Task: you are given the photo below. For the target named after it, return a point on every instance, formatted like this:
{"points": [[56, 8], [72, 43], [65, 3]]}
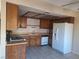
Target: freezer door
{"points": [[58, 36], [55, 31]]}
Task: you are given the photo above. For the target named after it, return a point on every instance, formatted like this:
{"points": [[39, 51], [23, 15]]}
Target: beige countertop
{"points": [[16, 43], [29, 34], [25, 36]]}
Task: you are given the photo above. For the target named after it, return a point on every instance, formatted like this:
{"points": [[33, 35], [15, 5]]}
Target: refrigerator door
{"points": [[58, 36], [68, 38], [55, 31]]}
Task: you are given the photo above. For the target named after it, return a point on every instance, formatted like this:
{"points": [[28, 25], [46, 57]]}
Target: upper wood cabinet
{"points": [[12, 16], [22, 22], [44, 24], [64, 20]]}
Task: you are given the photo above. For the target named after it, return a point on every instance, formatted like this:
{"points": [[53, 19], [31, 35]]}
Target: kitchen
{"points": [[28, 27]]}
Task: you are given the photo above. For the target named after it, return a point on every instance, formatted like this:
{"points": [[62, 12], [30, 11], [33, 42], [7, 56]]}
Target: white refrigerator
{"points": [[62, 37]]}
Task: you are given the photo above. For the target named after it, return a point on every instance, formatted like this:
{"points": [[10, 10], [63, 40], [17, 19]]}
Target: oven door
{"points": [[44, 40]]}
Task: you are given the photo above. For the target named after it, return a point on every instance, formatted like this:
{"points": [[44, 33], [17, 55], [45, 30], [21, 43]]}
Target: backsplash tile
{"points": [[31, 29]]}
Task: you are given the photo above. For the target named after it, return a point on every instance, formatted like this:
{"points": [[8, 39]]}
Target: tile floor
{"points": [[46, 52]]}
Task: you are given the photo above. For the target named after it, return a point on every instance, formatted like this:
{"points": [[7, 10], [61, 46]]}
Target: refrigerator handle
{"points": [[55, 36]]}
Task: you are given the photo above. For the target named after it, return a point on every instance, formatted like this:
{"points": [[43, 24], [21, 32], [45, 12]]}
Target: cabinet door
{"points": [[11, 52], [16, 52], [21, 51], [12, 16], [35, 41], [32, 42], [44, 24]]}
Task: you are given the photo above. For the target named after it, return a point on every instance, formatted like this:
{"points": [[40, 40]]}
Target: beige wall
{"points": [[76, 35], [0, 6], [3, 29], [0, 19]]}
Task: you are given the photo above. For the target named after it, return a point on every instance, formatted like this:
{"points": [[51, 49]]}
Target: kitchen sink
{"points": [[18, 38]]}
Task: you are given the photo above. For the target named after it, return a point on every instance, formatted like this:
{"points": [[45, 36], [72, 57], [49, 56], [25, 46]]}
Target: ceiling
{"points": [[70, 4], [38, 14], [34, 13]]}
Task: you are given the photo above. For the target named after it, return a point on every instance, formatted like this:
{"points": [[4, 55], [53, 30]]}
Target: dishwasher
{"points": [[44, 40]]}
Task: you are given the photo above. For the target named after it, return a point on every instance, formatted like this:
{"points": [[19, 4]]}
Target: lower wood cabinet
{"points": [[34, 41], [16, 52]]}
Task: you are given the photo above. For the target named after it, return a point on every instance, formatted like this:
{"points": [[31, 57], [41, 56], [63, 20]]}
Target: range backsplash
{"points": [[31, 29]]}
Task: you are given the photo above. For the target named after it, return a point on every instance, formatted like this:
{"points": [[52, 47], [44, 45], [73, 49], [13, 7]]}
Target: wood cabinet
{"points": [[64, 20], [12, 16], [50, 33], [28, 44], [34, 41], [16, 52], [44, 24], [22, 22]]}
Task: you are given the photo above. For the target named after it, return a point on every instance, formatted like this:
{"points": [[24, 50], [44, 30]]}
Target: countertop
{"points": [[24, 36], [16, 43], [32, 34]]}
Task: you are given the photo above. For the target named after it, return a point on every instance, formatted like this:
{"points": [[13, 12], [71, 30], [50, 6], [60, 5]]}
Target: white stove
{"points": [[44, 40]]}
